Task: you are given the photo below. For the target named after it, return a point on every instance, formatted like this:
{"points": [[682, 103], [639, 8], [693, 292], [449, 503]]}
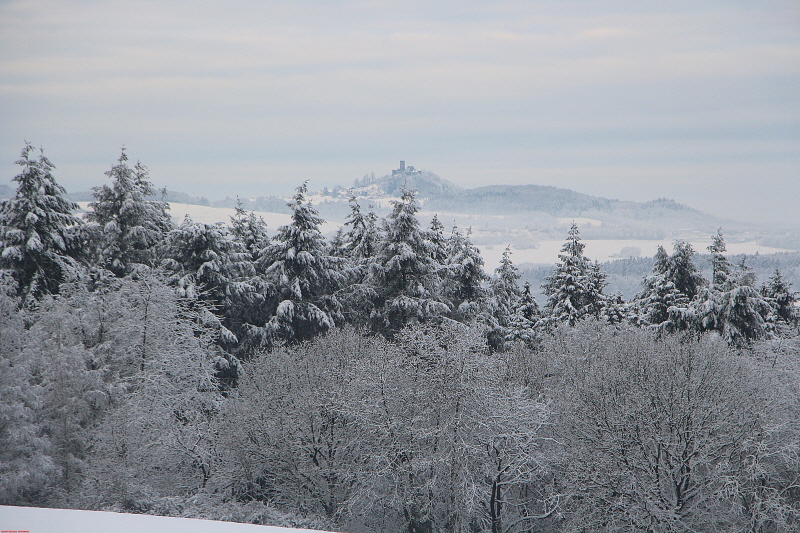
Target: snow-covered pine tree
{"points": [[361, 243], [38, 241], [744, 274], [671, 299], [778, 292], [305, 276], [210, 266], [596, 301], [336, 246], [405, 278], [661, 261], [438, 243], [130, 225], [720, 266], [743, 315], [355, 220], [250, 231], [739, 313], [465, 277], [524, 317], [502, 296], [440, 250], [616, 310], [651, 305], [505, 287], [362, 240], [682, 271], [251, 297], [567, 288]]}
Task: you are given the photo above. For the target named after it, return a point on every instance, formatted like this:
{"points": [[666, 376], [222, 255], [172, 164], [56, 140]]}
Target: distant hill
{"points": [[537, 202], [507, 199], [427, 184], [5, 191], [544, 208], [522, 215]]}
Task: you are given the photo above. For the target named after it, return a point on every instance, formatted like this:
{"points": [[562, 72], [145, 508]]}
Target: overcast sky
{"points": [[693, 100]]}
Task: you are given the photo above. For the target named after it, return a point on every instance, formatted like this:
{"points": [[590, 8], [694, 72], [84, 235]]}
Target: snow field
{"points": [[38, 520], [546, 252]]}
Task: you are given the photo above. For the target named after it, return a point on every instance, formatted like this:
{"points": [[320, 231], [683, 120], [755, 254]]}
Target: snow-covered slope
{"points": [[37, 520], [212, 215]]}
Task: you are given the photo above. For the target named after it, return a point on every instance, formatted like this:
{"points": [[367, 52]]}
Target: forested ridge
{"points": [[381, 380]]}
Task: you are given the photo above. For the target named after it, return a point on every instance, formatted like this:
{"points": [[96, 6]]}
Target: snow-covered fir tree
{"points": [[438, 242], [405, 278], [463, 285], [502, 295], [361, 243], [678, 298], [251, 297], [669, 299], [505, 287], [250, 231], [744, 275], [595, 300], [720, 266], [778, 292], [209, 266], [615, 309], [362, 239], [305, 276], [734, 308], [650, 307], [336, 246], [39, 245], [682, 271], [524, 318], [567, 288], [739, 315], [130, 225]]}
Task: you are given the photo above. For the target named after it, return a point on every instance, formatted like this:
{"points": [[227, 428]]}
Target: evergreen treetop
{"points": [[406, 278], [464, 283], [505, 286], [567, 288], [304, 274], [362, 240], [779, 292], [683, 272], [524, 318], [131, 224], [250, 231], [721, 267], [37, 230]]}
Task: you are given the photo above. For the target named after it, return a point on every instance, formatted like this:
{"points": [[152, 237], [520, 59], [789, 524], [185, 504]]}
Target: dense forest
{"points": [[381, 380]]}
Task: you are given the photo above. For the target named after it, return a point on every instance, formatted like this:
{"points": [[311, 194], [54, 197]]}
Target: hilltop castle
{"points": [[405, 170]]}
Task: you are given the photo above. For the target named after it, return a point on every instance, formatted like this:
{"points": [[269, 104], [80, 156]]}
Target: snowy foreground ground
{"points": [[37, 520]]}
